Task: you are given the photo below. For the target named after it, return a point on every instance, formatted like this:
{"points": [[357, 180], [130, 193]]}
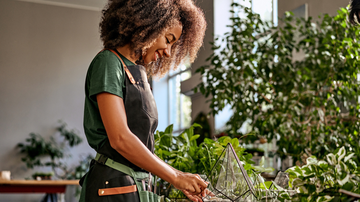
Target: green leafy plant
{"points": [[42, 175], [183, 153], [307, 104], [323, 180], [42, 153]]}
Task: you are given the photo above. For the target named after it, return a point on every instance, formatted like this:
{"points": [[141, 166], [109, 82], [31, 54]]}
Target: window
{"points": [[173, 107], [267, 9], [179, 104]]}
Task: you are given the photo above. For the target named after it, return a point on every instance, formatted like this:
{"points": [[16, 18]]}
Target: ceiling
{"points": [[81, 4]]}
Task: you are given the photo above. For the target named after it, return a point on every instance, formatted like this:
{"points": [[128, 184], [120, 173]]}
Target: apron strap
{"points": [[120, 167], [131, 78], [127, 71]]}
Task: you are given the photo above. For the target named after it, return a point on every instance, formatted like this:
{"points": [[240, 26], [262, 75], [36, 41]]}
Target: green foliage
{"points": [[42, 175], [322, 180], [41, 153], [308, 104], [183, 153], [35, 148], [204, 130]]}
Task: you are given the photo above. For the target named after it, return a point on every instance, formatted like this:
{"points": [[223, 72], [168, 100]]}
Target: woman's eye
{"points": [[167, 40]]}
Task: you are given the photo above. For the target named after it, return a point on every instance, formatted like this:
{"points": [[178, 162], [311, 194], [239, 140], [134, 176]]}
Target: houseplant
{"points": [[307, 104], [39, 152], [183, 153], [336, 178]]}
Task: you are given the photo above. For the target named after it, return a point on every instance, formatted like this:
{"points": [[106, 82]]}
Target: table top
{"points": [[39, 182]]}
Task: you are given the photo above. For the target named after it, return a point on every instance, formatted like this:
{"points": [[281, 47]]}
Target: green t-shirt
{"points": [[105, 74]]}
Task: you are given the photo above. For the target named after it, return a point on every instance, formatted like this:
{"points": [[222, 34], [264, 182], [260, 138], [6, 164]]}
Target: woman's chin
{"points": [[149, 62]]}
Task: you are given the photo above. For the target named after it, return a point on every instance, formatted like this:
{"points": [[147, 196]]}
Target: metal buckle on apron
{"points": [[102, 159]]}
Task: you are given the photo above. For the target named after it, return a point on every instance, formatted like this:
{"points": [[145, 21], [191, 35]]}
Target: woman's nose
{"points": [[167, 51]]}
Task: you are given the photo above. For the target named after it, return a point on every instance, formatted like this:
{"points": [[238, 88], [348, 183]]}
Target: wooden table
{"points": [[35, 186]]}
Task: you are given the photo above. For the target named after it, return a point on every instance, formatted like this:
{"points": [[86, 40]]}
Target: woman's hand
{"points": [[198, 198], [195, 198], [191, 183]]}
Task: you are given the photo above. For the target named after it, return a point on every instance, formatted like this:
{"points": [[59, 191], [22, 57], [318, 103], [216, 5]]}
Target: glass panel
{"points": [[186, 111], [263, 8], [185, 75], [222, 117], [179, 104], [173, 72], [239, 12], [275, 12], [174, 100]]}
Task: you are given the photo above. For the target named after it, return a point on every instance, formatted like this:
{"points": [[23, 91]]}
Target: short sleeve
{"points": [[107, 75]]}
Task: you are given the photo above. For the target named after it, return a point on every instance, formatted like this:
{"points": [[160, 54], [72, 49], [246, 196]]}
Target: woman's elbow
{"points": [[118, 143]]}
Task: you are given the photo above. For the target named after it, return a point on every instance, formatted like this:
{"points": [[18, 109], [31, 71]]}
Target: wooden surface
{"points": [[39, 182], [35, 186]]}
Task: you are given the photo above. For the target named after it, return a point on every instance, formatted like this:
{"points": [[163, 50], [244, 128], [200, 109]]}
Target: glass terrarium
{"points": [[229, 181]]}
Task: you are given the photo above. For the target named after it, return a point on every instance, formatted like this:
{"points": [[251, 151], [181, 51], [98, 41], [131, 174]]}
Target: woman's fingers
{"points": [[197, 189], [200, 185], [191, 183], [195, 198], [201, 181], [208, 192]]}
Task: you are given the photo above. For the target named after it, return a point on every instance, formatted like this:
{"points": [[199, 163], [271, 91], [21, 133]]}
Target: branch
{"points": [[267, 99], [354, 195]]}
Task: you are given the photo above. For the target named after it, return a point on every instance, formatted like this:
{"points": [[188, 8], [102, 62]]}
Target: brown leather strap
{"points": [[117, 190], [131, 78]]}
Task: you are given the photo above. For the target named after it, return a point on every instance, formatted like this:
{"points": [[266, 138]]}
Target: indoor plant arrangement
{"points": [[336, 178], [183, 153], [306, 103]]}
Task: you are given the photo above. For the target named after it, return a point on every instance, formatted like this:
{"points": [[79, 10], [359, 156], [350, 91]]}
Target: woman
{"points": [[141, 38], [354, 12]]}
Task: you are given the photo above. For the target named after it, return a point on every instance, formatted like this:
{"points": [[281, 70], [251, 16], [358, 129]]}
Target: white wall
{"points": [[44, 54]]}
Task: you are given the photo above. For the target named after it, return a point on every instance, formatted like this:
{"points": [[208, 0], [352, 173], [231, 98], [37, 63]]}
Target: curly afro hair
{"points": [[140, 22], [354, 9]]}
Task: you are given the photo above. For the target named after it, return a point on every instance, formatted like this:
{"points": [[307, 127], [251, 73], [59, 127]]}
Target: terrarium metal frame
{"points": [[249, 183]]}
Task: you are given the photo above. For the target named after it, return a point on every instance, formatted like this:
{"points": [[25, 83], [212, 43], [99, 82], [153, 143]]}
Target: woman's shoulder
{"points": [[106, 57]]}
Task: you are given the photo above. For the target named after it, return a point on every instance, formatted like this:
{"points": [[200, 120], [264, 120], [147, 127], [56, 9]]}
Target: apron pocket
{"points": [[121, 188], [146, 196]]}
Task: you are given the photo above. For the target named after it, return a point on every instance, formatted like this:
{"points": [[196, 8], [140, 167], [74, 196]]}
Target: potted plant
{"points": [[42, 175], [39, 152]]}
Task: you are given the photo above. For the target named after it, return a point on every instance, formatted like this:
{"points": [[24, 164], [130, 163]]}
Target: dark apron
{"points": [[142, 120]]}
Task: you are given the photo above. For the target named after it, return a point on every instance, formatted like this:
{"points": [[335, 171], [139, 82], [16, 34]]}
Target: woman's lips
{"points": [[156, 55]]}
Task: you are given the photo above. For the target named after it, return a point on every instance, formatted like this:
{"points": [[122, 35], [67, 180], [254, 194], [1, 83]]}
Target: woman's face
{"points": [[162, 46]]}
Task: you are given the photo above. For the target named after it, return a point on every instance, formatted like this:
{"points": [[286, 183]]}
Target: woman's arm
{"points": [[113, 115]]}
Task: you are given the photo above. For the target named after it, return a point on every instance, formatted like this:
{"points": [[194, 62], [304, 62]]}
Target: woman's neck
{"points": [[127, 52]]}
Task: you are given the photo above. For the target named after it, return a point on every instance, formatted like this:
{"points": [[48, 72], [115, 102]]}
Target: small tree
{"points": [[309, 105]]}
